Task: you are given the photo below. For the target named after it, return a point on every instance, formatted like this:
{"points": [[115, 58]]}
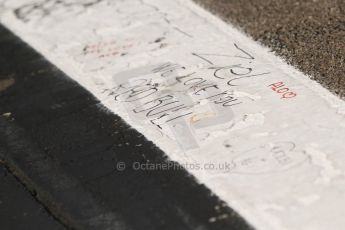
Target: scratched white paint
{"points": [[281, 134]]}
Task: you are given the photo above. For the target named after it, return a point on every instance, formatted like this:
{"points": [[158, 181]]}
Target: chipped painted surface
{"points": [[203, 92]]}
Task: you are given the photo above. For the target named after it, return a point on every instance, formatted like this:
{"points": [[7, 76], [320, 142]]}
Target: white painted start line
{"points": [[207, 95]]}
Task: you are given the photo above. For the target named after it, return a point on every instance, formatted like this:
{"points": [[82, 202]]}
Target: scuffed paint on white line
{"points": [[204, 93]]}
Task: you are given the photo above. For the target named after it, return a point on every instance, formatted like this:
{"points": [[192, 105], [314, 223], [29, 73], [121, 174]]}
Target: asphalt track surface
{"points": [[58, 141], [20, 208], [48, 141], [309, 34]]}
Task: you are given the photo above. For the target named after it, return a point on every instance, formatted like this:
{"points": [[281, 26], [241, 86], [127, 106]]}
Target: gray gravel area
{"points": [[310, 34]]}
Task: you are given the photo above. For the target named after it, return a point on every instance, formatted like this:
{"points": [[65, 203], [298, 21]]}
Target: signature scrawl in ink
{"points": [[40, 9]]}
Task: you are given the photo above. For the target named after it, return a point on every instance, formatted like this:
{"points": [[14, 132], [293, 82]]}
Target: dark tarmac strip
{"points": [[63, 145], [309, 34], [21, 210]]}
